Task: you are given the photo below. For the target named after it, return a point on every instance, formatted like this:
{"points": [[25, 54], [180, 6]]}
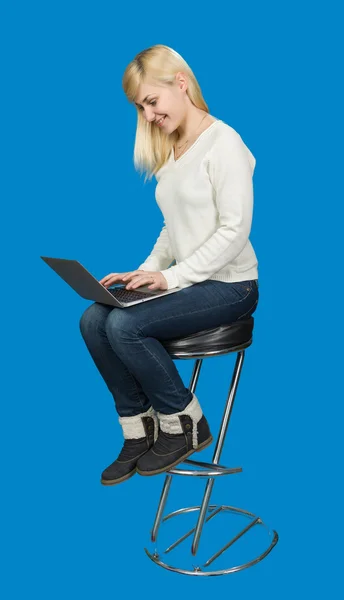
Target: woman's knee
{"points": [[120, 322], [94, 316]]}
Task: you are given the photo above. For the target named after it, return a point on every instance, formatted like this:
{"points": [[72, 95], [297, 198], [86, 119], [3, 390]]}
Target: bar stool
{"points": [[235, 337]]}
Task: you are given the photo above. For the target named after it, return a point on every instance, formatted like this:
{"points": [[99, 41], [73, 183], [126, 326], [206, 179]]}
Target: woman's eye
{"points": [[153, 103]]}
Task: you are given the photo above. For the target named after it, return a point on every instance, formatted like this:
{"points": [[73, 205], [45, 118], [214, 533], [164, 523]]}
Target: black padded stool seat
{"points": [[226, 338]]}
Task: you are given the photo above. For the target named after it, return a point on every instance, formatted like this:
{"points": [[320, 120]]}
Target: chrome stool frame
{"points": [[212, 342]]}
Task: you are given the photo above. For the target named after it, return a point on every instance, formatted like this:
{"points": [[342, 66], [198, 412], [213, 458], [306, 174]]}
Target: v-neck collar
{"points": [[176, 162]]}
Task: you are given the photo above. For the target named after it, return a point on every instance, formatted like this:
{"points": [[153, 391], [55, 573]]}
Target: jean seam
{"points": [[137, 392], [252, 307]]}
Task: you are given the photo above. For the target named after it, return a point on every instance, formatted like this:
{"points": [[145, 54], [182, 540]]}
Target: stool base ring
{"points": [[200, 570]]}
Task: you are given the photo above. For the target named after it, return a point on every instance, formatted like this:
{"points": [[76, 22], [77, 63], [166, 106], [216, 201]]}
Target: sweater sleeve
{"points": [[230, 170], [161, 256]]}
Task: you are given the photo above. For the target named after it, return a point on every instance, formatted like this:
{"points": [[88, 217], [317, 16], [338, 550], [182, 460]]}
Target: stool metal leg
{"points": [[168, 479], [209, 470], [218, 448]]}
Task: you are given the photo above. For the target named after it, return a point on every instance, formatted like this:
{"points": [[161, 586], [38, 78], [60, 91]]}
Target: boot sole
{"points": [[204, 444], [119, 480]]}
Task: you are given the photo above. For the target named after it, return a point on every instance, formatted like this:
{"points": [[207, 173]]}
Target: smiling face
{"points": [[156, 101]]}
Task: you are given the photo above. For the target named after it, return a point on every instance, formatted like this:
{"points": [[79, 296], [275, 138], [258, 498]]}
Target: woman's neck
{"points": [[190, 125]]}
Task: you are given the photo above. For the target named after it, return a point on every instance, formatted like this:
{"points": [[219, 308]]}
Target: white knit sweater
{"points": [[206, 198]]}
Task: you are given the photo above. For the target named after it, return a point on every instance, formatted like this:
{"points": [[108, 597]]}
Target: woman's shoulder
{"points": [[227, 142], [225, 132]]}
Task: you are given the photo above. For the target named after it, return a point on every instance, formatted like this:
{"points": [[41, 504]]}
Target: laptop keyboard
{"points": [[124, 295]]}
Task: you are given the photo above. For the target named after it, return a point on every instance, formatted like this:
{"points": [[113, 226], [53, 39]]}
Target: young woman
{"points": [[205, 192]]}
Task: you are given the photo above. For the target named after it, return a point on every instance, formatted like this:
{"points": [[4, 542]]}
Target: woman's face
{"points": [[156, 102]]}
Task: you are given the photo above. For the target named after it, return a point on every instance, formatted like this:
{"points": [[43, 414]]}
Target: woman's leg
{"points": [[126, 390], [137, 417], [135, 334]]}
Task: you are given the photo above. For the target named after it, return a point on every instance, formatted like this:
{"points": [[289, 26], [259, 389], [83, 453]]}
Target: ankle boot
{"points": [[180, 434], [140, 432]]}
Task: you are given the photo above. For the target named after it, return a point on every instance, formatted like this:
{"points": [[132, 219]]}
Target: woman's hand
{"points": [[154, 279], [113, 278]]}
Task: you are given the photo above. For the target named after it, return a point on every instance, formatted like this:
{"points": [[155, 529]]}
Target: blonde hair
{"points": [[159, 64]]}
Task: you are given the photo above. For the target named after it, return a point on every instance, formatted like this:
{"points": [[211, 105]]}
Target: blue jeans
{"points": [[124, 343]]}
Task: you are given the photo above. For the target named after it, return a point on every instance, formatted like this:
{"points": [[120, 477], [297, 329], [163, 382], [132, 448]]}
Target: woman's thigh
{"points": [[201, 306]]}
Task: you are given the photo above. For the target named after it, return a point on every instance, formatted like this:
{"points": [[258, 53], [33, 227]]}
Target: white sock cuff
{"points": [[171, 423], [133, 427]]}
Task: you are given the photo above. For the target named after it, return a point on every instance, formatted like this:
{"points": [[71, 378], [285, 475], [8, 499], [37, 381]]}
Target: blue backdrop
{"points": [[69, 189]]}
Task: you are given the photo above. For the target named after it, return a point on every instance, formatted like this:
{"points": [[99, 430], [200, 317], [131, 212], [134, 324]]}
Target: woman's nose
{"points": [[150, 116]]}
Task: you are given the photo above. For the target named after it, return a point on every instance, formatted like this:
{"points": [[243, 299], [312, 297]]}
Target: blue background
{"points": [[69, 189]]}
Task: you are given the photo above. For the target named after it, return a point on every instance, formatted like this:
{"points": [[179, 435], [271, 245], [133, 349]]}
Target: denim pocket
{"points": [[243, 288], [233, 291], [247, 285]]}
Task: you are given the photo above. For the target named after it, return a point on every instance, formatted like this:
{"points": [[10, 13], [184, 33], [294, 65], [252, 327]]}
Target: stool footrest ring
{"points": [[201, 570], [208, 469]]}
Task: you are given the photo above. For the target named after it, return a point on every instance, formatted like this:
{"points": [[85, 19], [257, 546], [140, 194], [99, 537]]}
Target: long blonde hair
{"points": [[159, 64]]}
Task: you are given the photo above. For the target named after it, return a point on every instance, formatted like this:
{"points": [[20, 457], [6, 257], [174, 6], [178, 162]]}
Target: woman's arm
{"points": [[161, 256]]}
